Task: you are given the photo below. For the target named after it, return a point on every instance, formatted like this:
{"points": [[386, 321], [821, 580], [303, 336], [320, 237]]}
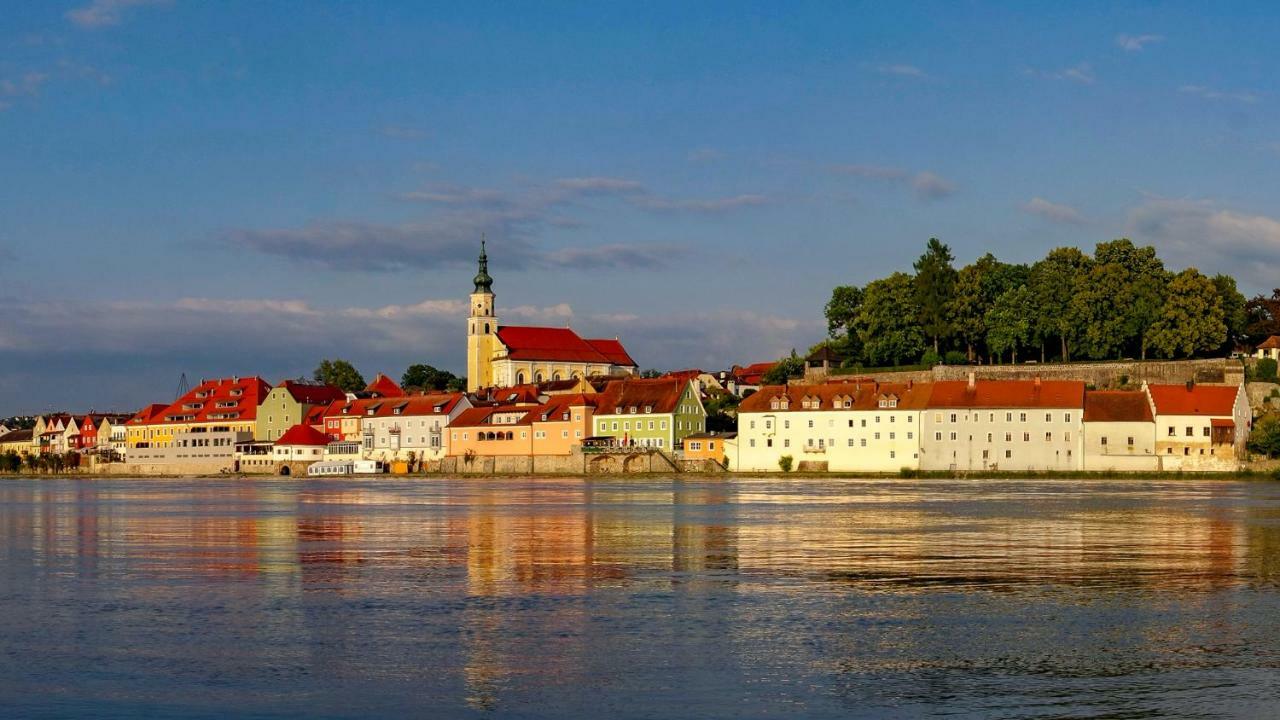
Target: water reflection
{"points": [[655, 597]]}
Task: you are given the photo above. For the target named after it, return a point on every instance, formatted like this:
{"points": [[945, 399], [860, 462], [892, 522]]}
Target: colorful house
{"points": [[1200, 427], [225, 405], [552, 428], [289, 404], [411, 426], [1269, 348], [707, 446], [300, 443], [656, 412], [502, 356]]}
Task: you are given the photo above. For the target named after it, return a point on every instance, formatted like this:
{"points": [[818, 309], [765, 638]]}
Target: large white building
{"points": [[855, 426], [1003, 425], [1119, 431], [392, 428]]}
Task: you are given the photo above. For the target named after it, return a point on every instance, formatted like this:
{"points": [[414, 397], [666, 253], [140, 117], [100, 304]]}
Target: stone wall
{"points": [[1098, 374], [573, 464]]}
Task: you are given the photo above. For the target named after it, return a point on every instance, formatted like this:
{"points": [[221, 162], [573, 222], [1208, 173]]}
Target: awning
{"points": [[1222, 423]]}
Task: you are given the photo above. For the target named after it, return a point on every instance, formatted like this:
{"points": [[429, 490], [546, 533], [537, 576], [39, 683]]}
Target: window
{"points": [[786, 442], [862, 442], [937, 436], [850, 442], [1131, 440], [1206, 432], [864, 422], [953, 417], [753, 424], [937, 417], [810, 423], [753, 442], [1008, 437], [1026, 437], [986, 454], [1048, 437], [1104, 441], [953, 437], [1008, 454], [988, 437], [1048, 417], [1008, 417], [891, 435], [1190, 431], [768, 442], [1022, 417], [786, 423], [615, 425], [878, 436], [1066, 437], [1171, 431], [892, 454], [1066, 417], [910, 435]]}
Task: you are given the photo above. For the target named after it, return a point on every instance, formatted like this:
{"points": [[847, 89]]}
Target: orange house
{"points": [[706, 446], [552, 428]]}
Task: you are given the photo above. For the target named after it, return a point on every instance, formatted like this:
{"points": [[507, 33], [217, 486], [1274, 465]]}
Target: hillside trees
{"points": [[1191, 320], [887, 322], [934, 288], [339, 373]]}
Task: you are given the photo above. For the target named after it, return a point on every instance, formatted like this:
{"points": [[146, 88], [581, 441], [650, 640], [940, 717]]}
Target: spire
{"points": [[484, 283]]}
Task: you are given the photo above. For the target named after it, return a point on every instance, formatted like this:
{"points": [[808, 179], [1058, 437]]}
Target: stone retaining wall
{"points": [[1097, 374]]}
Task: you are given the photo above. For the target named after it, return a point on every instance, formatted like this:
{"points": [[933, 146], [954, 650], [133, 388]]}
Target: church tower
{"points": [[482, 329]]}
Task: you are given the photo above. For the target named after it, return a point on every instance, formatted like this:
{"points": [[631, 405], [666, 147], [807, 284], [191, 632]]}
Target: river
{"points": [[638, 598]]}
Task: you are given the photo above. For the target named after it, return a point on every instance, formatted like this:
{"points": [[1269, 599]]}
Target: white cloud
{"points": [[101, 13], [1054, 212], [926, 185], [1082, 73], [929, 186], [708, 205], [1209, 93], [600, 184], [1204, 234], [1135, 43]]}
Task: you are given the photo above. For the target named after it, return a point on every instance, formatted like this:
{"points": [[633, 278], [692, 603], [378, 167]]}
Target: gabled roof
{"points": [[1269, 343], [1194, 400], [472, 417], [560, 345], [555, 409], [384, 387], [233, 399], [303, 435], [753, 373], [14, 436], [1116, 406], [861, 396], [147, 414], [1008, 394], [660, 395], [311, 393]]}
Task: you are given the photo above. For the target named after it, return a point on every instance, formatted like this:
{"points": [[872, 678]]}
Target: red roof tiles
{"points": [[1196, 400], [831, 396], [233, 399], [1007, 394], [661, 395], [560, 345], [312, 393], [1116, 406], [384, 387], [303, 435], [1269, 343]]}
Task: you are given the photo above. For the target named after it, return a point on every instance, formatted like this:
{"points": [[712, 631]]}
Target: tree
{"points": [[1009, 322], [842, 317], [976, 289], [1096, 313], [426, 377], [935, 282], [1053, 282], [1264, 316], [722, 412], [1265, 370], [1265, 436], [1191, 320], [785, 462], [784, 369], [887, 323], [651, 373], [1234, 313], [1140, 296], [341, 374]]}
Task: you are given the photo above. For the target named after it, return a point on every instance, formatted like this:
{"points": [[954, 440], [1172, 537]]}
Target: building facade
{"points": [[288, 404], [1200, 428], [1119, 432], [657, 412], [222, 405]]}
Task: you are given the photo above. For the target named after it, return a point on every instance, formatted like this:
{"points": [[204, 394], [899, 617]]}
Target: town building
{"points": [[1003, 425], [289, 404], [49, 434], [1200, 427], [657, 412], [502, 356], [1269, 348], [198, 448], [226, 405], [552, 428], [300, 443], [707, 446], [742, 381], [16, 441], [411, 427], [855, 426], [1119, 431]]}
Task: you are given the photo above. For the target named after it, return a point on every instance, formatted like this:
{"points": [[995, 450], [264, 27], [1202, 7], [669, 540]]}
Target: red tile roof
{"points": [[303, 435], [233, 399], [1008, 394], [472, 417], [560, 345], [145, 415], [1116, 406], [1198, 400], [312, 393], [555, 408], [432, 404], [385, 387], [752, 374], [661, 395], [830, 396], [1271, 342]]}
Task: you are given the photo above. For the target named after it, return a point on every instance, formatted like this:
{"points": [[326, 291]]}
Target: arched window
{"points": [[486, 328], [510, 435], [556, 376], [519, 378], [538, 377]]}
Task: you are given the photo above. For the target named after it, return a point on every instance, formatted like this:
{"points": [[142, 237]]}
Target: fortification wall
{"points": [[1098, 374]]}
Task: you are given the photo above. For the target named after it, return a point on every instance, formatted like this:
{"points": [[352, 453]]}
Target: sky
{"points": [[241, 188]]}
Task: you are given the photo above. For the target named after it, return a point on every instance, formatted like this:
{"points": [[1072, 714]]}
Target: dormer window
{"points": [[648, 409], [237, 392], [633, 409], [618, 410], [773, 404]]}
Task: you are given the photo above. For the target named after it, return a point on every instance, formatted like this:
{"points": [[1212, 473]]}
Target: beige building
{"points": [[1003, 425], [394, 428], [858, 426], [1119, 432], [1200, 427]]}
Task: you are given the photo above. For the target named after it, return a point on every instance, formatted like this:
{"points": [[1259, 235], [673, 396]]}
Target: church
{"points": [[505, 355]]}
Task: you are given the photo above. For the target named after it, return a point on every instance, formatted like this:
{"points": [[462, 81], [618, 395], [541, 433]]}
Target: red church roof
{"points": [[560, 345], [303, 435]]}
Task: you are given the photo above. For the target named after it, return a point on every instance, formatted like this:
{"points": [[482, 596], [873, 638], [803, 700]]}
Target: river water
{"points": [[650, 598]]}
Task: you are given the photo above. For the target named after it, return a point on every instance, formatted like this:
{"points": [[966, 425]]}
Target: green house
{"points": [[288, 404], [656, 412]]}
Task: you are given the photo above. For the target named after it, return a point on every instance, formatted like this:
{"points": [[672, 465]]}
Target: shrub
{"points": [[785, 462], [906, 472], [930, 358], [1265, 370], [955, 357]]}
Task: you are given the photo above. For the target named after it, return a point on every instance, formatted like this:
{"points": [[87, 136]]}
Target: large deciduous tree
{"points": [[427, 377], [1009, 322], [842, 317], [934, 287], [1192, 319], [340, 374], [1234, 312], [887, 321], [978, 285], [1053, 282]]}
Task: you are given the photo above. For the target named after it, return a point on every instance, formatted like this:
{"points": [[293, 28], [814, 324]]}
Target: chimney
{"points": [[1191, 384], [1037, 382], [973, 381]]}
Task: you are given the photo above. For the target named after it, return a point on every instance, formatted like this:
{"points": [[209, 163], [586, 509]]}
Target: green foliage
{"points": [[787, 367], [1264, 439], [650, 373], [1191, 320], [1264, 370], [341, 374], [10, 462], [842, 310], [908, 472], [887, 323], [1009, 322], [1053, 283], [935, 284], [426, 377], [930, 358], [1234, 312], [955, 357], [785, 462], [722, 412]]}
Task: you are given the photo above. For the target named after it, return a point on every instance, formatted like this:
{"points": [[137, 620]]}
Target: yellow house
{"points": [[225, 404]]}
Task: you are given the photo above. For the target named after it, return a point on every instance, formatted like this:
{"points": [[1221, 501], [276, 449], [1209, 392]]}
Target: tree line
{"points": [[344, 376], [1121, 302]]}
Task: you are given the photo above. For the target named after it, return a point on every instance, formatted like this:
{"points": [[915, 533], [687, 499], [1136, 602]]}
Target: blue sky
{"points": [[236, 188]]}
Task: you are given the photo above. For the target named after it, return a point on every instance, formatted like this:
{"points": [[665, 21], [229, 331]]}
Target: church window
{"points": [[486, 328]]}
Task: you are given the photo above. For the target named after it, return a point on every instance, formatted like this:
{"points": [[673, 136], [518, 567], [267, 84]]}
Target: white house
{"points": [[1119, 431], [1200, 427], [395, 427]]}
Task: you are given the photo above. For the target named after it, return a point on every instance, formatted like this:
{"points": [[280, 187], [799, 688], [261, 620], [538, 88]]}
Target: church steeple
{"points": [[484, 283]]}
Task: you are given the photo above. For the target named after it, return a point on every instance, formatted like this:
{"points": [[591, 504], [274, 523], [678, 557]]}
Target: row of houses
{"points": [[860, 425]]}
